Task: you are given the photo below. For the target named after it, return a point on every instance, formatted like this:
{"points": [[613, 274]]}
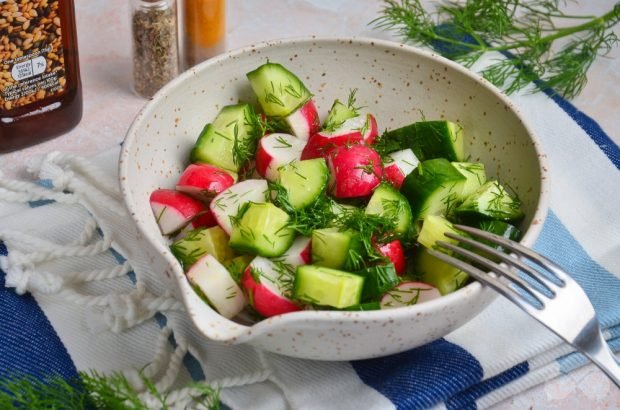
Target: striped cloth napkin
{"points": [[75, 294]]}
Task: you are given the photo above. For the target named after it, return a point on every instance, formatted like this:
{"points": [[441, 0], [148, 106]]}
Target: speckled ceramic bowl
{"points": [[397, 83]]}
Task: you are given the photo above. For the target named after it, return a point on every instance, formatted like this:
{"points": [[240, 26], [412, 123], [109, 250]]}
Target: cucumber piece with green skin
{"points": [[438, 139], [389, 203], [304, 181], [279, 91], [446, 278], [337, 115], [500, 228], [199, 242], [475, 176], [262, 229], [230, 140], [378, 280], [433, 229], [490, 201], [427, 140], [433, 188], [236, 266], [336, 249], [327, 287]]}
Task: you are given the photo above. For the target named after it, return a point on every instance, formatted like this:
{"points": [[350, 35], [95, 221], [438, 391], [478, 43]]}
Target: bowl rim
{"points": [[244, 333]]}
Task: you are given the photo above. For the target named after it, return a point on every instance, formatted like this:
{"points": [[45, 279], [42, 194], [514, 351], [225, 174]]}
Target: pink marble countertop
{"points": [[110, 106]]}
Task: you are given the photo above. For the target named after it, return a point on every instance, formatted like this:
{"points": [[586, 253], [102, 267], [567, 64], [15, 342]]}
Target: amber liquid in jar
{"points": [[40, 87]]}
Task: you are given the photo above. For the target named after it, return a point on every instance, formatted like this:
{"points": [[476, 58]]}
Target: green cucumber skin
{"points": [[216, 143], [427, 140], [262, 230], [475, 176], [385, 192], [279, 91], [378, 280], [430, 177], [304, 181], [438, 139]]}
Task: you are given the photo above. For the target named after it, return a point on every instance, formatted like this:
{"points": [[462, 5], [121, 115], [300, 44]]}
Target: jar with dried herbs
{"points": [[155, 48], [40, 88]]}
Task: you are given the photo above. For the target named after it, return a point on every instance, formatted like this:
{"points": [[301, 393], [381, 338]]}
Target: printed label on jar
{"points": [[32, 65]]}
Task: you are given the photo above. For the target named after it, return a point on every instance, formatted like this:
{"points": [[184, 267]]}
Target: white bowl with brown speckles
{"points": [[397, 83]]}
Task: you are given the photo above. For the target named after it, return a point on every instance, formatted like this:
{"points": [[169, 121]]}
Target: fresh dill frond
{"points": [[553, 56], [92, 390]]}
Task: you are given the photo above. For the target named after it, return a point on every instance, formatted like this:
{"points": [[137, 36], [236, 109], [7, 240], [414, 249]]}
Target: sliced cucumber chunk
{"points": [[337, 115], [389, 203], [433, 188], [327, 287], [304, 181], [433, 229], [279, 91], [236, 266], [446, 278], [262, 229], [475, 176], [438, 139], [230, 140], [500, 228], [336, 249], [200, 242], [378, 280], [490, 201], [427, 140]]}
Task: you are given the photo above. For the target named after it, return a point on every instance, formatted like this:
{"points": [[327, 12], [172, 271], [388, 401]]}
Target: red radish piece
{"points": [[262, 280], [173, 209], [204, 181], [214, 281], [399, 165], [300, 253], [304, 122], [395, 253], [362, 128], [228, 202], [275, 151], [205, 219], [354, 171], [409, 293]]}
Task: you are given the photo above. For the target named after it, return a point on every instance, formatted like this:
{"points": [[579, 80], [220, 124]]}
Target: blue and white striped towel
{"points": [[74, 295]]}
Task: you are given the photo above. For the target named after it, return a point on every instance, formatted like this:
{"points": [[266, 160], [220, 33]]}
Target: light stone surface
{"points": [[110, 106]]}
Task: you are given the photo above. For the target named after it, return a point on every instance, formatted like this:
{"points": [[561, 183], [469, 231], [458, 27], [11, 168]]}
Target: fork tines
{"points": [[545, 285]]}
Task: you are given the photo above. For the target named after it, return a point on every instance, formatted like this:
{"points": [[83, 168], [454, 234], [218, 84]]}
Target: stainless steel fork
{"points": [[551, 296]]}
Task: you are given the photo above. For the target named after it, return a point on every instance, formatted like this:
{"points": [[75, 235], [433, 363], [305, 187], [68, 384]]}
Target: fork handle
{"points": [[604, 358]]}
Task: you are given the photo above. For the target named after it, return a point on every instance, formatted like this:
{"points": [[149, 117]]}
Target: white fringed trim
{"points": [[76, 181]]}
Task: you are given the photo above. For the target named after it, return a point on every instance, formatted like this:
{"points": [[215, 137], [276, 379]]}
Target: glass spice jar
{"points": [[155, 48], [204, 30], [40, 87]]}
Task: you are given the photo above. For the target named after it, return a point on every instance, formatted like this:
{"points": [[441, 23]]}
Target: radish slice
{"points": [[354, 171], [395, 253], [399, 165], [228, 202], [213, 280], [173, 210], [267, 284], [275, 151], [362, 128], [409, 293], [304, 122], [300, 253], [204, 181]]}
